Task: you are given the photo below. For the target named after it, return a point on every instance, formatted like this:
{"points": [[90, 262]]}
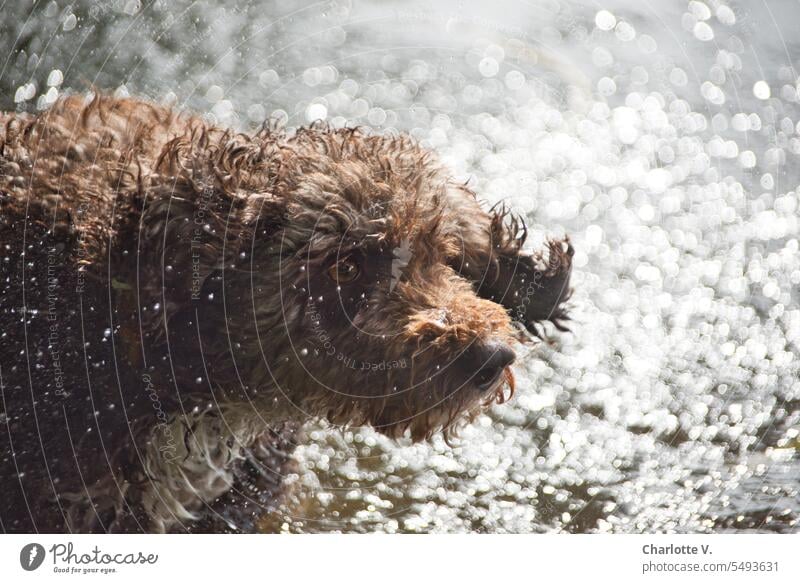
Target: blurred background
{"points": [[664, 137]]}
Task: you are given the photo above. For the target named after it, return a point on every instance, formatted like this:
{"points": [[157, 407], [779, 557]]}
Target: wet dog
{"points": [[179, 298]]}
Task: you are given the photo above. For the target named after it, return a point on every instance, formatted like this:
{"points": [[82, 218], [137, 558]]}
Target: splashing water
{"points": [[664, 139]]}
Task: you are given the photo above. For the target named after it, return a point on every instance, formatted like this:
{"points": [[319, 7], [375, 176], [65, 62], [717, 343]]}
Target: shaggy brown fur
{"points": [[179, 298]]}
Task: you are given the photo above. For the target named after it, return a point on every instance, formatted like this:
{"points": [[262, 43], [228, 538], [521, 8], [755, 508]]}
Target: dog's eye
{"points": [[344, 271]]}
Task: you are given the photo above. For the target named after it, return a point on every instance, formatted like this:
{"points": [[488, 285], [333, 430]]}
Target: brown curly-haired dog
{"points": [[178, 298]]}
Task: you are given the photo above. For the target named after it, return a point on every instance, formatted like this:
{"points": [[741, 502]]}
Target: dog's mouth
{"points": [[502, 387], [445, 404], [487, 379]]}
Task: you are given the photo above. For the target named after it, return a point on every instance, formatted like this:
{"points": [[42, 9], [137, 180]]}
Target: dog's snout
{"points": [[487, 361]]}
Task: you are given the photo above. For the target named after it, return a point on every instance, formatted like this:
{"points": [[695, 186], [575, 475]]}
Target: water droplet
{"points": [[604, 20], [316, 111], [625, 31], [747, 159], [70, 22], [488, 67], [761, 90], [55, 78], [725, 15], [515, 80], [702, 31]]}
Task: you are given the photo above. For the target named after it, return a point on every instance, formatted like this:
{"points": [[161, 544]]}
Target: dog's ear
{"points": [[534, 287]]}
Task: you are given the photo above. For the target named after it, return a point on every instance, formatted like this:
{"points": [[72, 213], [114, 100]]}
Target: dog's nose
{"points": [[488, 361]]}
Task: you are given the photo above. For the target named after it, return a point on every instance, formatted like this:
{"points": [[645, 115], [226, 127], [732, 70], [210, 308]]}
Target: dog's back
{"points": [[103, 426], [64, 409], [75, 402]]}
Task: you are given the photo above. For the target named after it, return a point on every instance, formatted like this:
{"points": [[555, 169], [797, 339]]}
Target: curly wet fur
{"points": [[170, 318]]}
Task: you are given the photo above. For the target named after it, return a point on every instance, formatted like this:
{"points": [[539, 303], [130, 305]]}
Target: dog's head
{"points": [[360, 302], [331, 263]]}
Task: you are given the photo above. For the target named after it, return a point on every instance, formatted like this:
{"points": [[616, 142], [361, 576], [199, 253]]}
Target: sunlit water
{"points": [[664, 137]]}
